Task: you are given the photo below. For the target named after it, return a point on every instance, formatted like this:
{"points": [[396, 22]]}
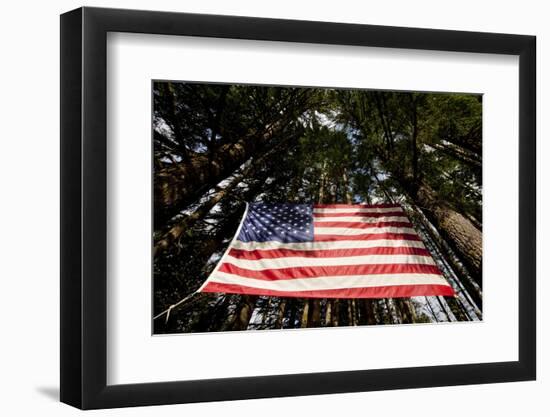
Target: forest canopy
{"points": [[218, 146]]}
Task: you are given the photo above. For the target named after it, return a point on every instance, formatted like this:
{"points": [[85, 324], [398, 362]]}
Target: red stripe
{"points": [[355, 205], [254, 255], [327, 271], [367, 236], [355, 225], [393, 291], [361, 214]]}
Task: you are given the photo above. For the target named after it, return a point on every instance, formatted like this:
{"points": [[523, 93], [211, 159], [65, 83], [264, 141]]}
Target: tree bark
{"points": [[406, 309], [178, 185], [305, 315], [461, 234], [335, 312], [244, 312], [458, 153], [450, 257], [367, 312], [315, 318], [177, 230], [281, 314], [328, 313]]}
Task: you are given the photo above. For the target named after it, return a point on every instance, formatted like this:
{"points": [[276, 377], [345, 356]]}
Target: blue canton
{"points": [[286, 223]]}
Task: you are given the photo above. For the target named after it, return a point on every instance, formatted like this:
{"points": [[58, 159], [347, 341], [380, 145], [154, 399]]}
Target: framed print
{"points": [[257, 208]]}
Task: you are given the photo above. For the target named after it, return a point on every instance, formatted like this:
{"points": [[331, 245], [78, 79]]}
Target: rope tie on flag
{"points": [[169, 309]]}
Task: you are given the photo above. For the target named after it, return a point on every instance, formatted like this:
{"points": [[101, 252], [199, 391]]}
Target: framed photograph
{"points": [[256, 208]]}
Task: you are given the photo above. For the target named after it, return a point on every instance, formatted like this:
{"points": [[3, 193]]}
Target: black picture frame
{"points": [[84, 207]]}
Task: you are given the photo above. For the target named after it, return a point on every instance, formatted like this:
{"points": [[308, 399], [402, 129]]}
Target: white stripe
{"points": [[348, 231], [361, 219], [358, 210], [339, 244], [329, 283], [296, 262]]}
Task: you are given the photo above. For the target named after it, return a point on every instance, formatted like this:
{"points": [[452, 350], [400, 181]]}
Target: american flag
{"points": [[327, 251]]}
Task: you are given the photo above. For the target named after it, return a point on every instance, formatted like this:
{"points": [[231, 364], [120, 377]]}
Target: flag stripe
{"points": [[387, 291], [348, 231], [338, 244], [361, 219], [347, 206], [327, 271], [326, 253], [357, 210], [360, 214], [367, 236], [361, 225], [295, 262], [331, 282]]}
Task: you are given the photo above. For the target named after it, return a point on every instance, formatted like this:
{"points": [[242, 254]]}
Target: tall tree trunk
{"points": [[459, 269], [456, 228], [244, 312], [335, 312], [328, 313], [315, 318], [408, 313], [186, 222], [176, 186], [220, 310], [305, 314], [461, 234], [457, 309], [368, 315], [280, 314], [178, 229], [460, 154], [211, 245], [294, 315]]}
